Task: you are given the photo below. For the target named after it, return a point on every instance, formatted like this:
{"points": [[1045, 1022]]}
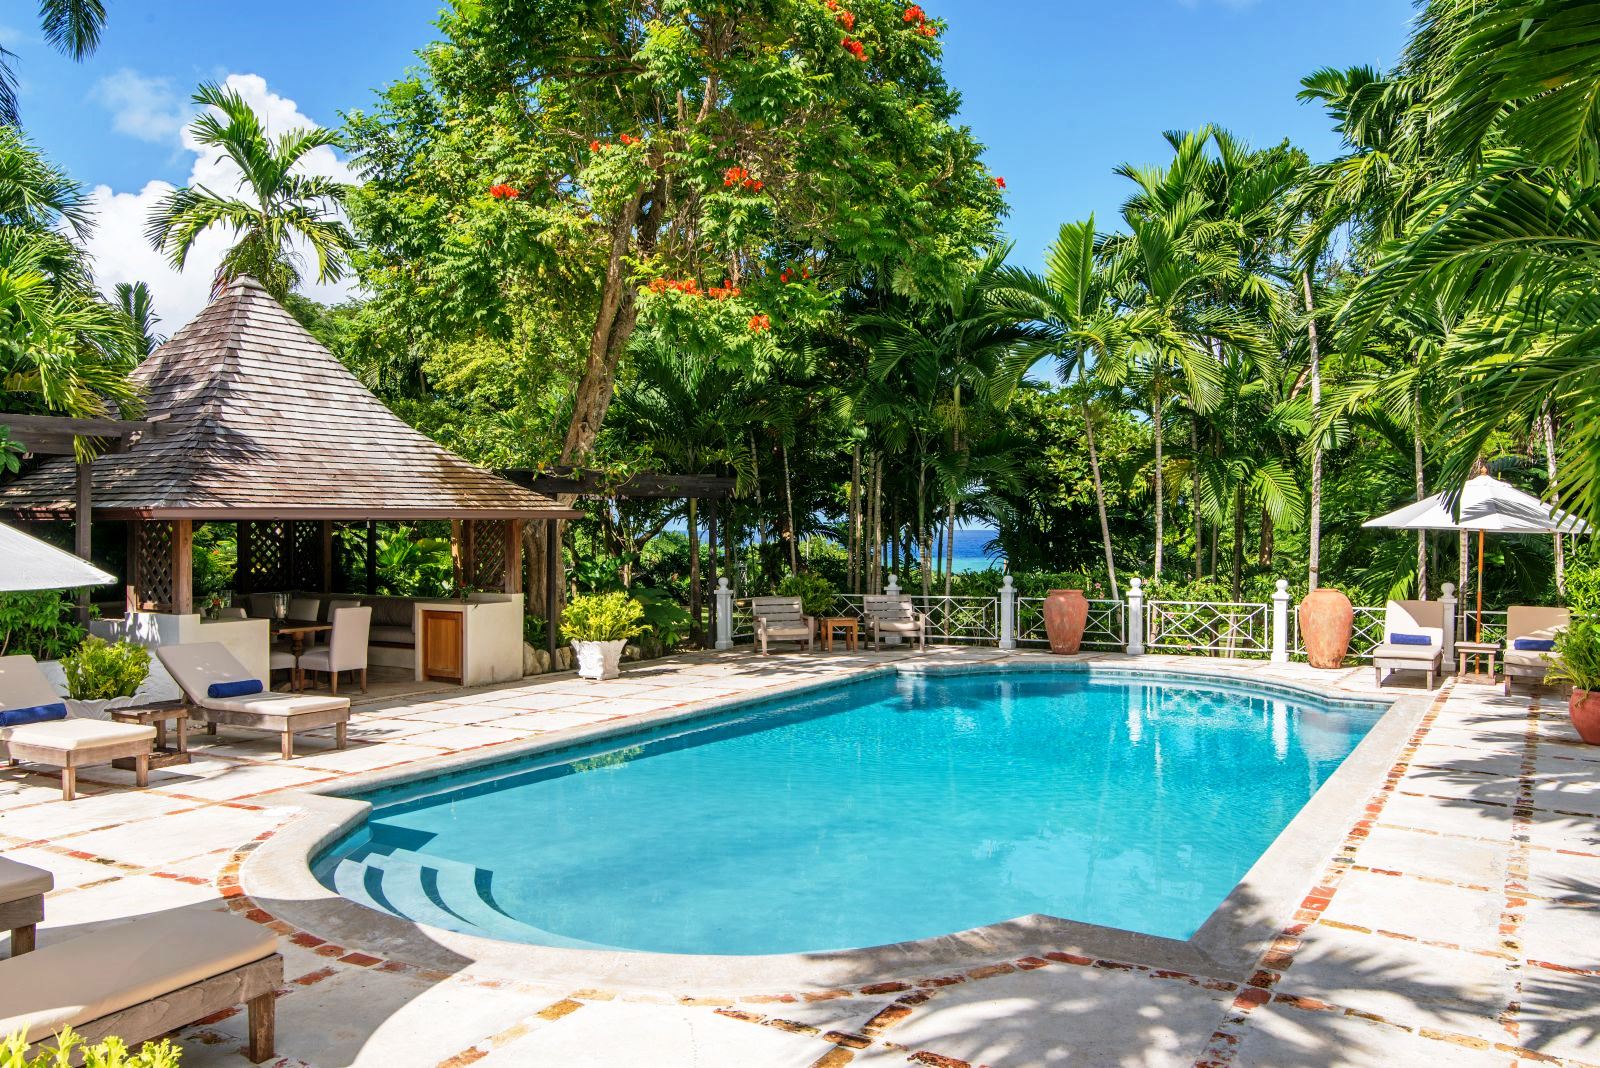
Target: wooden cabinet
{"points": [[443, 647]]}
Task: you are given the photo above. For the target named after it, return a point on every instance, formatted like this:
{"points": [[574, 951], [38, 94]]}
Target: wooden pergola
{"points": [[262, 427]]}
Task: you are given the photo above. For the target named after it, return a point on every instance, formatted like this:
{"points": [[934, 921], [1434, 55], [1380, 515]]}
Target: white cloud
{"points": [[119, 248], [146, 108]]}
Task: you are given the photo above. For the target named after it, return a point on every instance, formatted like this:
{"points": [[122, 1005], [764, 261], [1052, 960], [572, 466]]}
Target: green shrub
{"points": [[817, 595], [663, 615], [1576, 656], [602, 617], [38, 622], [107, 1053], [99, 670], [534, 630]]}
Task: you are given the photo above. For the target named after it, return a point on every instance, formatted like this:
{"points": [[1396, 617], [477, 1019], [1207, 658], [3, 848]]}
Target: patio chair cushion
{"points": [[277, 704], [72, 983], [16, 717], [19, 880], [1409, 639], [234, 688], [905, 626], [1528, 658], [76, 735], [779, 630], [1541, 645], [1420, 653]]}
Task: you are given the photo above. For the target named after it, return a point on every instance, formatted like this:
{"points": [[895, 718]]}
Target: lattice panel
{"points": [[267, 564], [486, 570], [152, 563], [305, 554]]}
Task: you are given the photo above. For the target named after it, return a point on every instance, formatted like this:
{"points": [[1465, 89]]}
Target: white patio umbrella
{"points": [[26, 563], [1487, 506]]}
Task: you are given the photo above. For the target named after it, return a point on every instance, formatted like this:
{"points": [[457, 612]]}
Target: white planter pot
{"points": [[96, 709], [598, 660]]}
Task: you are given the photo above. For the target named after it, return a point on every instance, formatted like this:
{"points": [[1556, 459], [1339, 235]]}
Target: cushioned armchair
{"points": [[894, 614], [1413, 639], [1530, 632], [782, 619]]}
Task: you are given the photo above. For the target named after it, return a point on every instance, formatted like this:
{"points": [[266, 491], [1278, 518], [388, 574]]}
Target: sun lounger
{"points": [[1413, 639], [61, 742], [894, 614], [199, 667], [782, 619], [22, 890], [1535, 626], [142, 979]]}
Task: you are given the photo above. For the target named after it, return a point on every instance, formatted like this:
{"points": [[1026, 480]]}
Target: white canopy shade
{"points": [[1487, 504], [26, 563]]}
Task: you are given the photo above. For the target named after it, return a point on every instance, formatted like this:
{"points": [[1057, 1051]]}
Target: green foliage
{"points": [[1583, 584], [602, 617], [411, 564], [37, 622], [215, 554], [664, 616], [534, 631], [70, 1049], [817, 595], [98, 670], [1576, 656]]}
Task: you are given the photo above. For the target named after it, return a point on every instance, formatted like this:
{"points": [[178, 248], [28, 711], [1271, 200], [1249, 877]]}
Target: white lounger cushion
{"points": [[19, 880], [71, 983], [76, 735], [1419, 653], [1530, 658], [196, 667]]}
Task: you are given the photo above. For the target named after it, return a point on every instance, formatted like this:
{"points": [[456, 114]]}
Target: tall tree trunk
{"points": [[1194, 501], [1100, 499], [614, 323], [788, 508], [1264, 553], [896, 534], [1238, 541], [950, 549], [1422, 492], [1315, 552], [855, 518], [1160, 486], [924, 535], [875, 578], [1549, 426], [695, 628]]}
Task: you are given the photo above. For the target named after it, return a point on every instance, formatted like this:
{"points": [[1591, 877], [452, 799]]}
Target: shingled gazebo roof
{"points": [[259, 421]]}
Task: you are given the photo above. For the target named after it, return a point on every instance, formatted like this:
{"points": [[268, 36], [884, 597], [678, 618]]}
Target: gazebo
{"points": [[264, 428]]}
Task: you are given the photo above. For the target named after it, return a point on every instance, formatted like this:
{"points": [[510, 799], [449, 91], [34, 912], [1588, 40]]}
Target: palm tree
{"points": [[72, 27], [276, 206], [136, 303]]}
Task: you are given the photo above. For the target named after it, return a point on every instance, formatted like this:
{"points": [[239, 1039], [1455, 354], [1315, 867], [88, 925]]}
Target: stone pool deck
{"points": [[1457, 924]]}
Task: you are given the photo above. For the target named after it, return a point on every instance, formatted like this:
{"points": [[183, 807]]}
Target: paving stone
{"points": [[1467, 818], [68, 871], [1431, 911], [1279, 1036], [469, 737], [661, 1036], [388, 728], [1473, 863], [58, 818], [1558, 1015], [1407, 982], [366, 757], [1565, 932], [172, 838], [1066, 1015]]}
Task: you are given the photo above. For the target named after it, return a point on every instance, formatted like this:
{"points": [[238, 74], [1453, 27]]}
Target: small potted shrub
{"points": [[102, 675], [599, 625], [1576, 659]]}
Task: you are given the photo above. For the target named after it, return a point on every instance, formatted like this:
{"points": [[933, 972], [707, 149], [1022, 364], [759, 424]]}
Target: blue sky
{"points": [[1060, 92]]}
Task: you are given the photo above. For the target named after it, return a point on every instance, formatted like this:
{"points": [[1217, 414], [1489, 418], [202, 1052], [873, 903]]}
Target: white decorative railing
{"points": [[1105, 628], [1366, 633], [950, 619], [1230, 629], [1494, 626]]}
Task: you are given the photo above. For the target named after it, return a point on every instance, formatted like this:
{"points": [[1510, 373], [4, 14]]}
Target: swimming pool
{"points": [[890, 809]]}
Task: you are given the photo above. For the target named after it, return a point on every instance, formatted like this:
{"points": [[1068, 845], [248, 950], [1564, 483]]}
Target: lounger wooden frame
{"points": [[253, 985], [22, 916], [70, 760], [286, 724]]}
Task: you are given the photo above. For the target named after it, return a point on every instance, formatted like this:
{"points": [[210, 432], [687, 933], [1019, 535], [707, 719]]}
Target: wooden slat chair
{"points": [[782, 619], [1414, 619], [1540, 624], [894, 614]]}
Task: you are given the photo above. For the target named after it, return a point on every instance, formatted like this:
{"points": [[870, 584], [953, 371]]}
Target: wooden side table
{"points": [[1479, 651], [157, 714], [849, 624]]}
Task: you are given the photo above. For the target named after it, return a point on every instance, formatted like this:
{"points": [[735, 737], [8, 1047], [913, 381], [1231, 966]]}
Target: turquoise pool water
{"points": [[886, 810]]}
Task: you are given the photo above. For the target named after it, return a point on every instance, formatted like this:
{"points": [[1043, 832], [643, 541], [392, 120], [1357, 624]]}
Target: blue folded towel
{"points": [[16, 717], [241, 688], [1409, 639], [1537, 645]]}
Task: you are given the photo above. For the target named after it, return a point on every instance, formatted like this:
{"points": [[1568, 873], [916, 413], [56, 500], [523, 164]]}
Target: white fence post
{"points": [[1136, 618], [724, 614], [1447, 598], [893, 590], [1008, 614], [1280, 623]]}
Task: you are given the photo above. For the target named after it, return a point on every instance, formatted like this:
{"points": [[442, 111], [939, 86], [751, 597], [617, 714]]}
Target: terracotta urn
{"points": [[1065, 613], [1584, 708], [1325, 621]]}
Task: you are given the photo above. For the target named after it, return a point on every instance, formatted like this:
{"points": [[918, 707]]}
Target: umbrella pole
{"points": [[1479, 636]]}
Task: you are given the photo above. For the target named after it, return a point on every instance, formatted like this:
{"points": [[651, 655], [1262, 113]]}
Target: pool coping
{"points": [[277, 874]]}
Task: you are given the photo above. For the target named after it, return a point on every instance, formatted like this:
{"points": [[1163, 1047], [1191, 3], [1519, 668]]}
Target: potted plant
{"points": [[599, 625], [1576, 659], [102, 675]]}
